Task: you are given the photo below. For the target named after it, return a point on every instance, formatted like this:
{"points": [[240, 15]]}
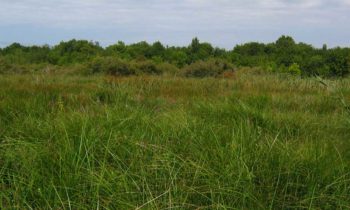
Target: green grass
{"points": [[253, 142]]}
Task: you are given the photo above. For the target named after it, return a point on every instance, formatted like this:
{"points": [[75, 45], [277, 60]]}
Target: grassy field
{"points": [[252, 142]]}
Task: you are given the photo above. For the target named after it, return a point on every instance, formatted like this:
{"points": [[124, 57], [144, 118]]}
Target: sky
{"points": [[224, 23]]}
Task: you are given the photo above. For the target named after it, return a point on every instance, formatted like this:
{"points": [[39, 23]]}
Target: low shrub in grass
{"points": [[294, 69], [4, 66], [111, 66], [7, 67], [168, 69], [210, 68], [118, 67], [146, 67]]}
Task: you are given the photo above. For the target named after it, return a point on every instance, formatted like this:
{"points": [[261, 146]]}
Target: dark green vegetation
{"points": [[282, 56], [253, 142]]}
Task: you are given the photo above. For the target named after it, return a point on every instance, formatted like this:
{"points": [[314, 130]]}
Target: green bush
{"points": [[110, 65], [8, 67], [146, 67], [4, 66], [210, 68], [270, 67], [294, 69], [168, 69], [316, 65], [338, 62]]}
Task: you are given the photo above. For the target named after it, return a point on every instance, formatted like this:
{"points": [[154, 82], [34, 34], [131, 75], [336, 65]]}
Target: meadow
{"points": [[253, 141]]}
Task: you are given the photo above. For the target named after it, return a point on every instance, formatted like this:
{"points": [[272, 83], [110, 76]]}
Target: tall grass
{"points": [[253, 142]]}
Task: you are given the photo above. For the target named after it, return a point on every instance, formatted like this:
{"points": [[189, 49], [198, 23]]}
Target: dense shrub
{"points": [[294, 69], [270, 67], [168, 69], [316, 65], [74, 51], [118, 67], [155, 59], [8, 67], [146, 67], [338, 61], [210, 68], [110, 65], [4, 66]]}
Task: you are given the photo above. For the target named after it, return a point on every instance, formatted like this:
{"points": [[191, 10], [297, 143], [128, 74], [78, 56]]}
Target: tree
{"points": [[118, 49], [157, 49], [324, 47], [316, 65], [176, 56], [285, 42], [199, 51], [194, 46], [250, 49], [285, 50], [140, 50], [337, 60], [74, 51]]}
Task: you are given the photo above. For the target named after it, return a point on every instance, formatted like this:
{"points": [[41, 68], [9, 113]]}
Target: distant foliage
{"points": [[156, 58], [146, 67], [210, 68], [294, 69], [111, 66], [7, 67], [74, 52], [168, 69], [4, 66]]}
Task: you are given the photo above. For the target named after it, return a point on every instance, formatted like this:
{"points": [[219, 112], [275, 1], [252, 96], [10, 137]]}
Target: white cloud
{"points": [[345, 2], [163, 18], [82, 12]]}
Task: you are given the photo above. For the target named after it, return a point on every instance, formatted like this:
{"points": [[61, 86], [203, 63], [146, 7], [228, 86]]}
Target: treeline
{"points": [[198, 59]]}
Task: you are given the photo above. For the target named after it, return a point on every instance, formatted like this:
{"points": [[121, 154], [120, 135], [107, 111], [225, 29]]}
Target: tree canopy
{"points": [[284, 53]]}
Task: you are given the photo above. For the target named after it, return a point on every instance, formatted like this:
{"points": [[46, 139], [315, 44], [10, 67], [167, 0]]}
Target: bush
{"points": [[168, 69], [270, 67], [316, 65], [294, 69], [8, 67], [338, 62], [210, 68], [146, 67], [110, 65], [4, 66]]}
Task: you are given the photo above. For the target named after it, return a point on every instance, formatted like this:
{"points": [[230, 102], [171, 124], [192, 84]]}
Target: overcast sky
{"points": [[175, 22]]}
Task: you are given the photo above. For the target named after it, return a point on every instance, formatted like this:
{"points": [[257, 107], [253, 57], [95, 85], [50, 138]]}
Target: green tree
{"points": [[337, 60], [316, 65], [177, 56], [194, 46], [285, 50], [157, 49], [118, 49], [74, 51]]}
